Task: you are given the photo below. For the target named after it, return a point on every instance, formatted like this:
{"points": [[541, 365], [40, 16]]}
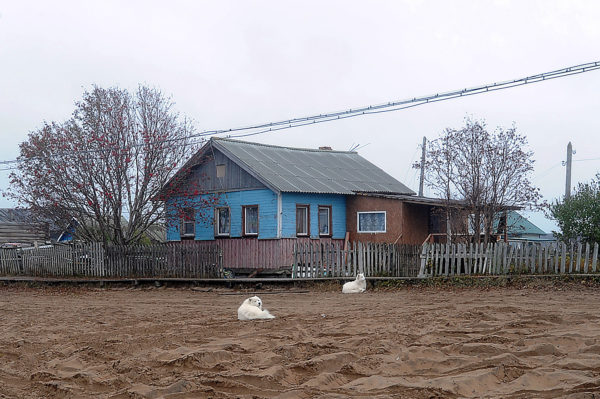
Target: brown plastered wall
{"points": [[416, 223], [406, 223]]}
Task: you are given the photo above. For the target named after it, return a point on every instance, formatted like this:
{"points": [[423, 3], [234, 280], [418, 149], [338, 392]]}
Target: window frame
{"points": [[307, 207], [185, 220], [217, 233], [371, 232], [329, 222], [244, 233]]}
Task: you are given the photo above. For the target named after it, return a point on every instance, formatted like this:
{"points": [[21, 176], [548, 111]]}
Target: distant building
{"points": [[522, 229], [17, 227]]}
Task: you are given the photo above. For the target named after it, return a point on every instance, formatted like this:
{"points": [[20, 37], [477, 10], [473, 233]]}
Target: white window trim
{"points": [[246, 207], [370, 232], [217, 209]]}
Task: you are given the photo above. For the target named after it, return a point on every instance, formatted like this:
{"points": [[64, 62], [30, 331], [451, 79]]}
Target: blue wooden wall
{"points": [[267, 213], [338, 213]]}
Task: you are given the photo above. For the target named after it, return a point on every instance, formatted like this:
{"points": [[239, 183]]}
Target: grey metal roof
{"points": [[303, 170]]}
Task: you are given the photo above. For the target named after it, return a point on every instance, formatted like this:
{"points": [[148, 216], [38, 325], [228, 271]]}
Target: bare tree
{"points": [[109, 160], [488, 171]]}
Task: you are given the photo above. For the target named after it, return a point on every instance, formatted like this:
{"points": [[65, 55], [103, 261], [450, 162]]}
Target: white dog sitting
{"points": [[356, 286], [252, 309]]}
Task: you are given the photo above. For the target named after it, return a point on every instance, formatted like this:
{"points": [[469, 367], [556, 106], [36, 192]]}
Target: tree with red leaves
{"points": [[105, 166]]}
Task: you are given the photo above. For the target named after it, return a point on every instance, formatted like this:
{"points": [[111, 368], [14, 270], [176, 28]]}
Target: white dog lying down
{"points": [[252, 309], [356, 286]]}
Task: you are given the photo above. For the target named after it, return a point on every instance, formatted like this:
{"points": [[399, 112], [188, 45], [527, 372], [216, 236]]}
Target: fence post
{"points": [[361, 258], [532, 256], [578, 264], [587, 255], [595, 257], [563, 268], [424, 253], [571, 258]]}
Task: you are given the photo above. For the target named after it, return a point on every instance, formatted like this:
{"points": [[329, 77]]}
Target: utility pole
{"points": [[569, 162], [422, 167]]}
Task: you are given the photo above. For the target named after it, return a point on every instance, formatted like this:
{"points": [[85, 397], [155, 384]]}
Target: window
{"points": [[324, 220], [222, 222], [371, 222], [188, 222], [302, 220], [250, 220], [221, 170]]}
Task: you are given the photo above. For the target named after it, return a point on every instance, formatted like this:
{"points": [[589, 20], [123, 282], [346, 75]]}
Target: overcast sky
{"points": [[228, 64]]}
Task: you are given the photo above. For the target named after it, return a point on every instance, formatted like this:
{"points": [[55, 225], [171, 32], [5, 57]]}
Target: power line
{"points": [[547, 171], [586, 159], [257, 129]]}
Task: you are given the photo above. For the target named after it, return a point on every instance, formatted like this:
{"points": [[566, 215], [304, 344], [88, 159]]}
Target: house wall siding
{"points": [[204, 175], [23, 232], [267, 209], [205, 204], [338, 213], [405, 223]]}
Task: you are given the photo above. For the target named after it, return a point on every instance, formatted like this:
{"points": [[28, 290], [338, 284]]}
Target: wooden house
{"points": [[519, 228], [17, 227], [234, 189], [256, 200]]}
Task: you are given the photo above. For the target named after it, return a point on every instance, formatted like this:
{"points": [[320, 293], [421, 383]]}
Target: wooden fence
{"points": [[172, 260], [73, 260], [508, 258], [250, 253], [306, 258], [315, 260]]}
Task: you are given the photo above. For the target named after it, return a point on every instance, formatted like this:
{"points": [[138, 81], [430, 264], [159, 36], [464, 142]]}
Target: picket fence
{"points": [[508, 258], [93, 260], [309, 259], [319, 260]]}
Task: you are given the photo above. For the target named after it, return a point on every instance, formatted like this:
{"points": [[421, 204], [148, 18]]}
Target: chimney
{"points": [[325, 148]]}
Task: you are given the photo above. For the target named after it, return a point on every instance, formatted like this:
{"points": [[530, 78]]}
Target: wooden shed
{"points": [[17, 226]]}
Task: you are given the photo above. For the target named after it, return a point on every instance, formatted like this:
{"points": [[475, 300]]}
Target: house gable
{"points": [[215, 172], [302, 170]]}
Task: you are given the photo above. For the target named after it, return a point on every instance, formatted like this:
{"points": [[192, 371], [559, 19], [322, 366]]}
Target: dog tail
{"points": [[267, 315]]}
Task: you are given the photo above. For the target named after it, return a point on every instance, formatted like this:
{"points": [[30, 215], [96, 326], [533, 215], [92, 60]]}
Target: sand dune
{"points": [[410, 343]]}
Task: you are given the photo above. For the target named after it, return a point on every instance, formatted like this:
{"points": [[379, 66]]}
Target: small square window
{"points": [[221, 170]]}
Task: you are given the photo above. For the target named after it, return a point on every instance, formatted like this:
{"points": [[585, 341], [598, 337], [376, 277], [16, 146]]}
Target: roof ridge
{"points": [[282, 147]]}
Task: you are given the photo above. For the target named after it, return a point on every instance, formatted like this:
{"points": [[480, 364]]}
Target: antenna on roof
{"points": [[358, 147]]}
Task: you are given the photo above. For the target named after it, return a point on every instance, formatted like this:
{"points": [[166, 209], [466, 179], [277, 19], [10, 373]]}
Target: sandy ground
{"points": [[410, 343]]}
